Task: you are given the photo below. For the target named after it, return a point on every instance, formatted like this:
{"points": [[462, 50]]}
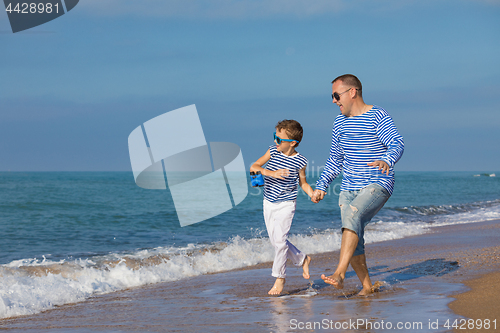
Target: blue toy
{"points": [[256, 179]]}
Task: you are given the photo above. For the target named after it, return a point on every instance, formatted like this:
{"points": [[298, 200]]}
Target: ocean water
{"points": [[67, 236]]}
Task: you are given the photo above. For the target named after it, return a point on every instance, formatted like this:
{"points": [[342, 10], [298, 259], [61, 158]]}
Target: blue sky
{"points": [[73, 89]]}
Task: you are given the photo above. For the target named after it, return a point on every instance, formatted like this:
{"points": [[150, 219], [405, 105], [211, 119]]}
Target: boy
{"points": [[285, 170]]}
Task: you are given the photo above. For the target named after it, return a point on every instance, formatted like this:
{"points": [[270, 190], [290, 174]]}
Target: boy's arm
{"points": [[303, 182], [257, 166]]}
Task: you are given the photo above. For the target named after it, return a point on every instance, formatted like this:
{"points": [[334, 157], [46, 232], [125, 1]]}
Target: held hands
{"points": [[317, 196], [381, 165]]}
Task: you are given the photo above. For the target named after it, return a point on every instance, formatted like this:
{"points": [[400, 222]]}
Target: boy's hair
{"points": [[292, 128], [350, 80]]}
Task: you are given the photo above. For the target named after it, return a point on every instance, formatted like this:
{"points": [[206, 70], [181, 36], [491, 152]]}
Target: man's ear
{"points": [[353, 92]]}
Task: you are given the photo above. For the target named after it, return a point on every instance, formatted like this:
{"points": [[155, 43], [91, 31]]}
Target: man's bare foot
{"points": [[305, 267], [365, 292], [373, 289], [278, 287], [335, 280]]}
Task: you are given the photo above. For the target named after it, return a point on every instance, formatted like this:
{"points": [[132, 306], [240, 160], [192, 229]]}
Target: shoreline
{"points": [[427, 270]]}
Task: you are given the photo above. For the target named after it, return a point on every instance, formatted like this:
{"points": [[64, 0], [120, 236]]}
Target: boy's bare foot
{"points": [[305, 267], [278, 287], [335, 280]]}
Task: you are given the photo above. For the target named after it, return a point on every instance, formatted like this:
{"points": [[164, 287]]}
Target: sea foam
{"points": [[29, 286]]}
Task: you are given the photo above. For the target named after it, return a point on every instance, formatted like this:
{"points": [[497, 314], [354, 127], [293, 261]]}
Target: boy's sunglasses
{"points": [[279, 140], [336, 95]]}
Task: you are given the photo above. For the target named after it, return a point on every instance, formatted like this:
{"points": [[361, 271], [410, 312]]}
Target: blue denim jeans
{"points": [[357, 208]]}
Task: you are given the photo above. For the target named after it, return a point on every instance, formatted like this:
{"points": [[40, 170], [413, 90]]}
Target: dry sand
{"points": [[480, 303]]}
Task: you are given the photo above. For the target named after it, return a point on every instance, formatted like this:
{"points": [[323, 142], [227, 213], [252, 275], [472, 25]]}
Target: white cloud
{"points": [[212, 9]]}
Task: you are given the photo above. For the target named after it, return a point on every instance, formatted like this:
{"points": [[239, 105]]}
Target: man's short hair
{"points": [[350, 80], [292, 128]]}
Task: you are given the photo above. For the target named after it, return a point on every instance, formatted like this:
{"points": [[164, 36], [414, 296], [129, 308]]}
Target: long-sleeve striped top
{"points": [[276, 190], [357, 141]]}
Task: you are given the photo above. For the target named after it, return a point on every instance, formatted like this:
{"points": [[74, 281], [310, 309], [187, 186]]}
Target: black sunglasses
{"points": [[336, 95]]}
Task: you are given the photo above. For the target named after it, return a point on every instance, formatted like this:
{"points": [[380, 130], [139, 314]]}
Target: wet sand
{"points": [[419, 275]]}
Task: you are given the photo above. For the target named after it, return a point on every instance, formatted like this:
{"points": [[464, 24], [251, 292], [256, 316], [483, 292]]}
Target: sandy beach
{"points": [[420, 276]]}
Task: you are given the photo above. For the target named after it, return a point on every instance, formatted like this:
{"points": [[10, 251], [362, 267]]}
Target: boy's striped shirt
{"points": [[275, 189], [357, 141]]}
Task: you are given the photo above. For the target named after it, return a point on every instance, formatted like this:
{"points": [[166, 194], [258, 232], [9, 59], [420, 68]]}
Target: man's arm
{"points": [[390, 137], [333, 165]]}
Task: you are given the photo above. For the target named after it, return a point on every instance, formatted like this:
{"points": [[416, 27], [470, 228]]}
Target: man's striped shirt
{"points": [[276, 190], [357, 141]]}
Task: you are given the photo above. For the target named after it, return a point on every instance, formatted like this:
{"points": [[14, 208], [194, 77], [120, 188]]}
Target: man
{"points": [[365, 145]]}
